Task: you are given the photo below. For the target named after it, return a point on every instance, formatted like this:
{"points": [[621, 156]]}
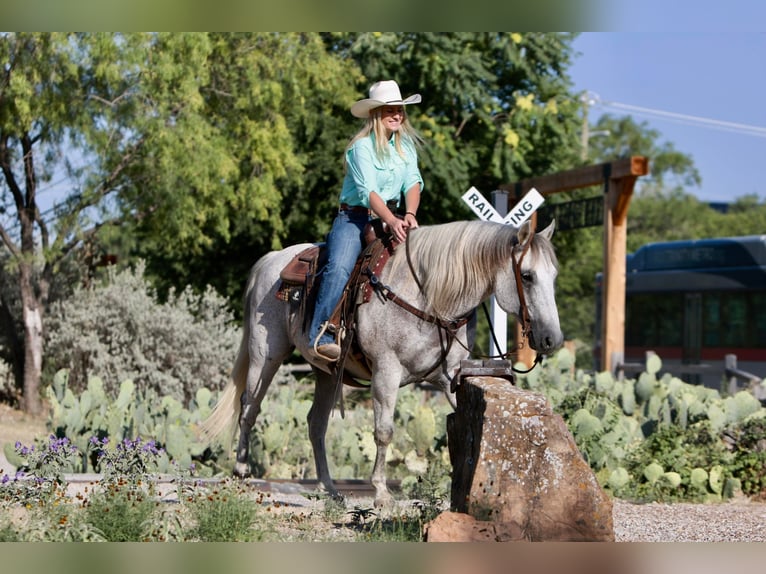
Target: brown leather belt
{"points": [[354, 208]]}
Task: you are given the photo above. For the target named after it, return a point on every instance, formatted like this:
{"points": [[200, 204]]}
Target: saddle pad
{"points": [[295, 271]]}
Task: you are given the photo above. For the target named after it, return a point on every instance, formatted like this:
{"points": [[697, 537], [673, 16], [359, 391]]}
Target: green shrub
{"points": [[749, 464], [658, 438], [118, 330], [121, 512], [224, 513]]}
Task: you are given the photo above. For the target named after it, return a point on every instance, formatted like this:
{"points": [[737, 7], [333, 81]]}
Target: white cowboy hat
{"points": [[385, 93]]}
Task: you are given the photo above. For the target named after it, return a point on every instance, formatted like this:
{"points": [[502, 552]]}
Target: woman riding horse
{"points": [[381, 164]]}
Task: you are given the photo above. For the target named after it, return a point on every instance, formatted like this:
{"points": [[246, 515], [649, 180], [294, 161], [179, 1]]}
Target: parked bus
{"points": [[694, 302]]}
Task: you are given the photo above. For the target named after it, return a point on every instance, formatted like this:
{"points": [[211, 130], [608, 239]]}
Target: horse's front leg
{"points": [[384, 392], [318, 417]]}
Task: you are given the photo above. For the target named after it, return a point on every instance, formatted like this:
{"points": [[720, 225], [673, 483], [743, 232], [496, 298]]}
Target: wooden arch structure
{"points": [[618, 178]]}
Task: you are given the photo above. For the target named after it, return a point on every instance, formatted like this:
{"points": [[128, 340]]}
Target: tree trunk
{"points": [[33, 343], [15, 346]]}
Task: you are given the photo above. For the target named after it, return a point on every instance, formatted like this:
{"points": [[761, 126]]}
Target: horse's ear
{"points": [[525, 232], [548, 231]]}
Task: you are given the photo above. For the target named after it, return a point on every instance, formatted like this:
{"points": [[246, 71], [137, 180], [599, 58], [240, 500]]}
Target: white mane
{"points": [[460, 260]]}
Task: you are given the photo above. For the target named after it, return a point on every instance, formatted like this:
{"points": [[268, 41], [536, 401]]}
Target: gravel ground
{"points": [[738, 521]]}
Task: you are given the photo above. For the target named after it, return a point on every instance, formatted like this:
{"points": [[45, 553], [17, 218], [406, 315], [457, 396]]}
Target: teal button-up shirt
{"points": [[388, 177]]}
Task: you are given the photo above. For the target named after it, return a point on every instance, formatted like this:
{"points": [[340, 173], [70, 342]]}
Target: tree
{"points": [[496, 108], [279, 104], [43, 99], [670, 169], [124, 120]]}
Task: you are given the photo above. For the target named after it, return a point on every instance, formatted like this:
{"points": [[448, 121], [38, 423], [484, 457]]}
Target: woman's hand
{"points": [[399, 227], [410, 220]]}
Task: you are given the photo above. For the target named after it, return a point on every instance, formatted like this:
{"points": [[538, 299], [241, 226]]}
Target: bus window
{"points": [[654, 320], [734, 323], [759, 320], [711, 320]]}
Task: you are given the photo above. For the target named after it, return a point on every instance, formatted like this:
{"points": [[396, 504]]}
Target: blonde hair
{"points": [[374, 125]]}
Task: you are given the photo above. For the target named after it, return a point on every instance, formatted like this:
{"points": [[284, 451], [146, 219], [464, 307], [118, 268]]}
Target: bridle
{"points": [[526, 323], [450, 328]]}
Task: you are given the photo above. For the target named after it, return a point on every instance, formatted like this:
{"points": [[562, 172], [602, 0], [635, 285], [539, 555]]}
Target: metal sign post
{"points": [[497, 211]]}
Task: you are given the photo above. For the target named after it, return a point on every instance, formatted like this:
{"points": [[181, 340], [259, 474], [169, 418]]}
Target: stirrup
{"points": [[338, 337]]}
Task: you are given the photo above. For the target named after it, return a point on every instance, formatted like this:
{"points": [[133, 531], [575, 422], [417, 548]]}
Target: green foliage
{"points": [[281, 449], [750, 457], [678, 464], [121, 512], [224, 513], [122, 420], [63, 521], [39, 479], [271, 122], [670, 168], [658, 438], [119, 330]]}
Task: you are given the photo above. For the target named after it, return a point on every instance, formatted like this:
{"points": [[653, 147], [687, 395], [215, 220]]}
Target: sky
{"points": [[708, 86]]}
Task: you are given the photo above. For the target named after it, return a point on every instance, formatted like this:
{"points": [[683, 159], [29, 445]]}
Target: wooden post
{"points": [[619, 178], [616, 201]]}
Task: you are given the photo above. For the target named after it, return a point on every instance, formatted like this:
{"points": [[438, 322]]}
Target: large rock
{"points": [[517, 467], [460, 527]]}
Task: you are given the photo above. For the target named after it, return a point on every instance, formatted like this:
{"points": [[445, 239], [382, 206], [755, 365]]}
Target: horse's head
{"points": [[525, 288]]}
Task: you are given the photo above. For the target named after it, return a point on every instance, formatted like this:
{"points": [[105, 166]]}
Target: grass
{"points": [[226, 512], [124, 506]]}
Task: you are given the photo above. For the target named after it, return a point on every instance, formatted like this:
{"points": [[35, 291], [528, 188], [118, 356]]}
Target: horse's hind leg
{"points": [[259, 376], [318, 418]]}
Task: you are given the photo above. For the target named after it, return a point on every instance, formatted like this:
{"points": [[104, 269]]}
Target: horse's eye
{"points": [[526, 276]]}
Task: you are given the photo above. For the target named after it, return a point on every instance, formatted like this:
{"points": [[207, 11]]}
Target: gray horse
{"points": [[445, 271]]}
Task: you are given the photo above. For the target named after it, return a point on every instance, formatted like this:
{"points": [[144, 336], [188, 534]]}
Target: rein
{"points": [[450, 328], [526, 322]]}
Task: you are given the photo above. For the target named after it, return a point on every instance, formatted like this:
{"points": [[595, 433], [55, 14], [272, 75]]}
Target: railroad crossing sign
{"points": [[520, 212]]}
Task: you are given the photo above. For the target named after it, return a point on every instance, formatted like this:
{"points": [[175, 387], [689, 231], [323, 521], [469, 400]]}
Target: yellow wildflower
{"points": [[525, 102], [511, 137]]}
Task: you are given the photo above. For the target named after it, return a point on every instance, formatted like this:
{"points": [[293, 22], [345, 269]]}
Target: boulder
{"points": [[517, 470], [460, 527]]}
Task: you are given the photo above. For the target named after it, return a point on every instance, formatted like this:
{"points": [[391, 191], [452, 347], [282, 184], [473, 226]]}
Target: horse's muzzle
{"points": [[547, 343]]}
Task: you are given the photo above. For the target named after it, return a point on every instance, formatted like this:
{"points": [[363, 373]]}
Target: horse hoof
{"points": [[384, 500], [241, 470]]}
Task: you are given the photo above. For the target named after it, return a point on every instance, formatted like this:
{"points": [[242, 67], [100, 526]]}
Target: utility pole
{"points": [[585, 134]]}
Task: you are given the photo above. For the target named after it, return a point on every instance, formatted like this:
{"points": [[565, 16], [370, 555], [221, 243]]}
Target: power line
{"points": [[746, 129]]}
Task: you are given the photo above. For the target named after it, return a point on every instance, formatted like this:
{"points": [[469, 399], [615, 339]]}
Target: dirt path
{"points": [[16, 425]]}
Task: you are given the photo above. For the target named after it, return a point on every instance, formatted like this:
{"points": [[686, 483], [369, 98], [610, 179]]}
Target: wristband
{"points": [[410, 213]]}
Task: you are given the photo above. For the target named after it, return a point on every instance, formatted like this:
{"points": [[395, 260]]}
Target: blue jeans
{"points": [[344, 244]]}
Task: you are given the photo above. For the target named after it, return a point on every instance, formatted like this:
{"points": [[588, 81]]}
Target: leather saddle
{"points": [[299, 283], [301, 270]]}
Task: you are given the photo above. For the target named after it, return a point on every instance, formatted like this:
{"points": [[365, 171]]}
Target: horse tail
{"points": [[223, 418]]}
